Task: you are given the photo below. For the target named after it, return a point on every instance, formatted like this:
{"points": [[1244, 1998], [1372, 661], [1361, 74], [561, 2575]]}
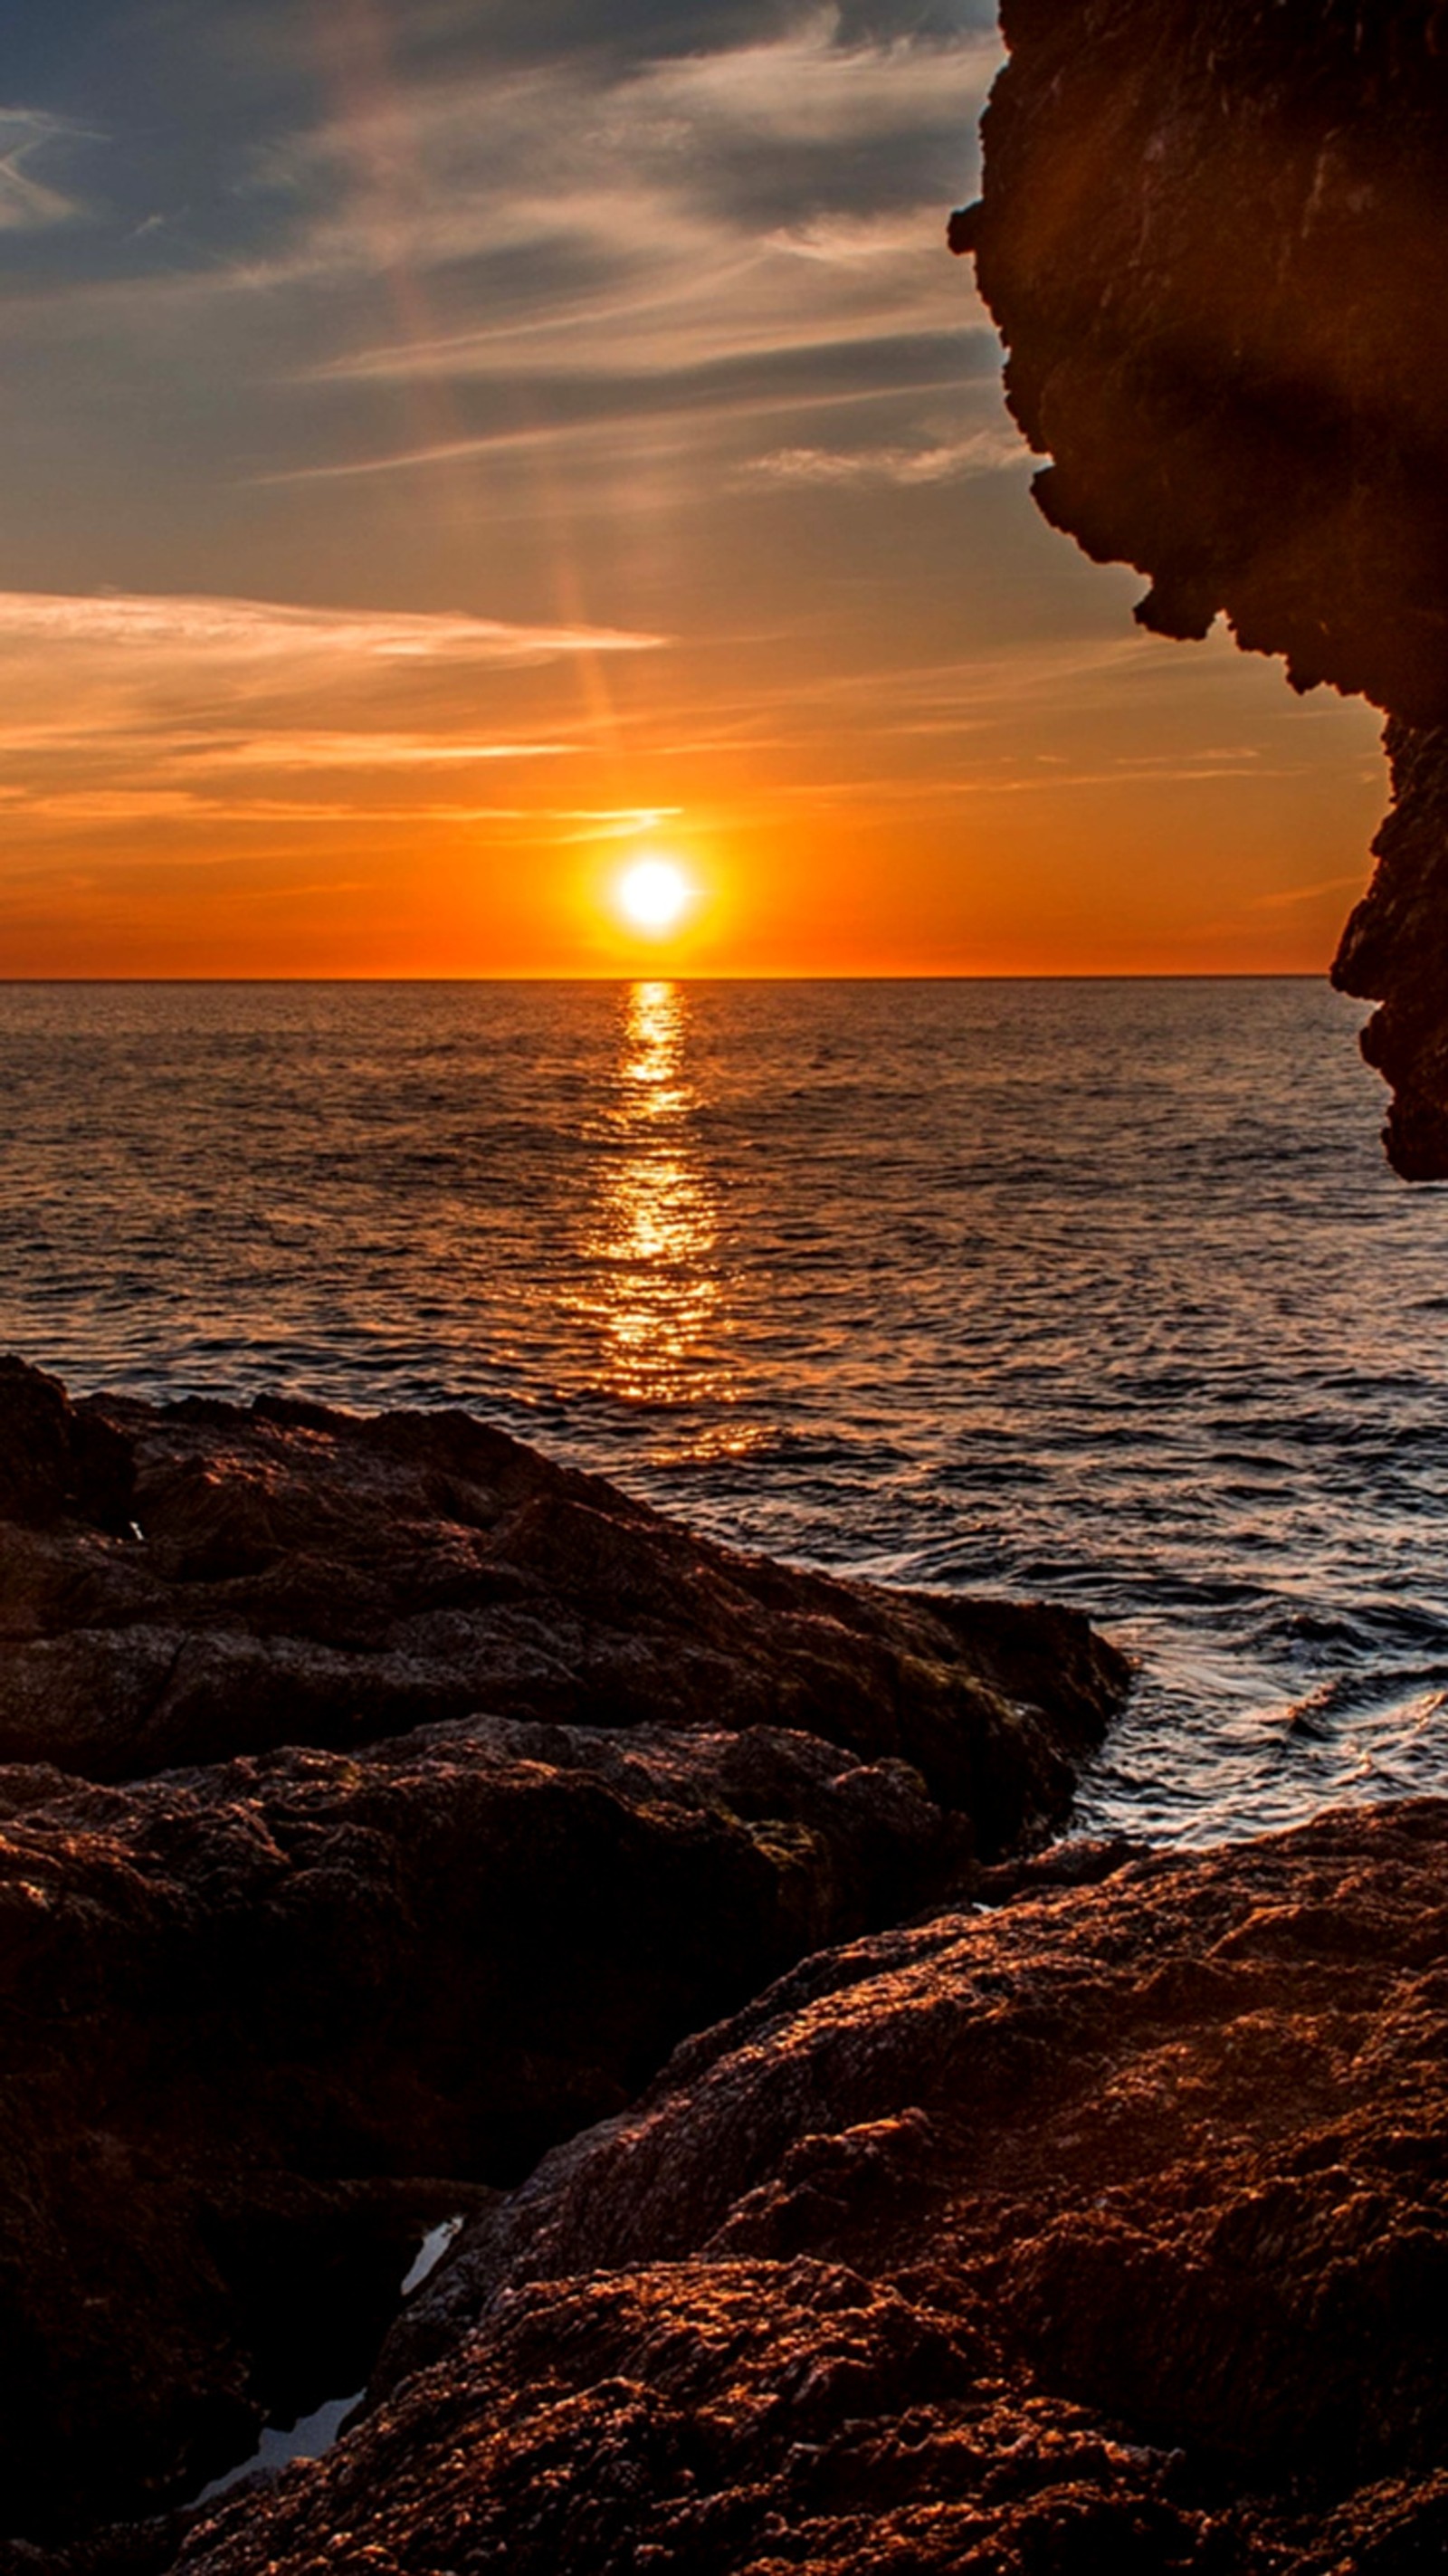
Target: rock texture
{"points": [[1106, 2230], [185, 1583], [1396, 943], [267, 2014], [1215, 236]]}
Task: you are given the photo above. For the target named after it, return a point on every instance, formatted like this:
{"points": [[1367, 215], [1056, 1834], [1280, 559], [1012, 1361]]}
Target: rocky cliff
{"points": [[1215, 238]]}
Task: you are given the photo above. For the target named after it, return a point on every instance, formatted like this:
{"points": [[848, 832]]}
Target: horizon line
{"points": [[661, 975]]}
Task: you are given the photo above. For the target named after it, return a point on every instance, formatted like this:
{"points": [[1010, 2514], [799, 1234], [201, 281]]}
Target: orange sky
{"points": [[448, 452]]}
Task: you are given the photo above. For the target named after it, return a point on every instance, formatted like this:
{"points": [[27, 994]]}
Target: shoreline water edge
{"points": [[418, 1858]]}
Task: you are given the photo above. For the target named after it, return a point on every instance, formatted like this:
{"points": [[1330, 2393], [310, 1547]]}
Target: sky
{"points": [[454, 448]]}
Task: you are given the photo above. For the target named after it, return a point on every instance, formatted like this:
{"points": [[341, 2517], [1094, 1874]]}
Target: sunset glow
{"points": [[506, 438]]}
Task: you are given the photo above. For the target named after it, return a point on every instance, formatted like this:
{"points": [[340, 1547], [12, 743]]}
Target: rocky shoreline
{"points": [[1106, 2230], [847, 2180], [379, 1806]]}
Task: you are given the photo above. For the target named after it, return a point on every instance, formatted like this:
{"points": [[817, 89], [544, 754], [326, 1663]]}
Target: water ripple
{"points": [[1100, 1291]]}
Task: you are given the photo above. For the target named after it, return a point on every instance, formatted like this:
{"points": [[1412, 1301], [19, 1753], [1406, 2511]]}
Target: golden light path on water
{"points": [[651, 1283]]}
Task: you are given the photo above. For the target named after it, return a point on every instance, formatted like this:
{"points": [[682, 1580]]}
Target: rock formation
{"points": [[1396, 944], [1215, 238], [381, 1805], [183, 1584], [1103, 2230]]}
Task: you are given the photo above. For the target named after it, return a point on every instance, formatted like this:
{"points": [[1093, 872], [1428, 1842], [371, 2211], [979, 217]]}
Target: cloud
{"points": [[250, 633], [448, 233], [369, 750], [84, 811], [437, 31], [808, 87], [84, 805], [26, 203], [985, 451], [613, 417], [119, 709], [1287, 896], [129, 805], [675, 215]]}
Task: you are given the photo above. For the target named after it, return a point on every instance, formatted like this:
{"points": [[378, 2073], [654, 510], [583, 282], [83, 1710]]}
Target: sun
{"points": [[653, 895]]}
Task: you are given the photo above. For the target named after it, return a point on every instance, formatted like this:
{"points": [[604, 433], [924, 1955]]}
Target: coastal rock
{"points": [[1108, 2228], [1214, 234], [288, 1575], [264, 2024], [55, 1461], [1396, 943], [270, 2013]]}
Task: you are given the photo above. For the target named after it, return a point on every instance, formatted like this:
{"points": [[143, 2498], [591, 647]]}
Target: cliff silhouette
{"points": [[1215, 240]]}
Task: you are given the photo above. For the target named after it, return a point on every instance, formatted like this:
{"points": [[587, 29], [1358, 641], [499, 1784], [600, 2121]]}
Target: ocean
{"points": [[1094, 1291]]}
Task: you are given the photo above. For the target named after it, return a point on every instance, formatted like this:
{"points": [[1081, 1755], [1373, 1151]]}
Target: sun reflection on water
{"points": [[652, 1284]]}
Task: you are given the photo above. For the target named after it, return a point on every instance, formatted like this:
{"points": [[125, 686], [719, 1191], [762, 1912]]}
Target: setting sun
{"points": [[654, 895]]}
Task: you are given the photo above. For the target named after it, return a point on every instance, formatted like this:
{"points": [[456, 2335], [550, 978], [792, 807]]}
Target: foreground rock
{"points": [[267, 2016], [1107, 2230], [1215, 236], [264, 2023]]}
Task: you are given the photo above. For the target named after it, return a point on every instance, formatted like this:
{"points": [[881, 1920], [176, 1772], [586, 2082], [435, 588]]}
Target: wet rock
{"points": [[1215, 236], [299, 1576], [1108, 2228]]}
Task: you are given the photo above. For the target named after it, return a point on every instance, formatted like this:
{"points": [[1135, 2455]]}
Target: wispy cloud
{"points": [[492, 244], [250, 631], [28, 204], [543, 229], [86, 808], [613, 418], [807, 87], [985, 451], [559, 178], [122, 709], [359, 750]]}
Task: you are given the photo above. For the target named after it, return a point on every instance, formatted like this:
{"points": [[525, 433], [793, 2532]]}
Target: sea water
{"points": [[1094, 1291]]}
